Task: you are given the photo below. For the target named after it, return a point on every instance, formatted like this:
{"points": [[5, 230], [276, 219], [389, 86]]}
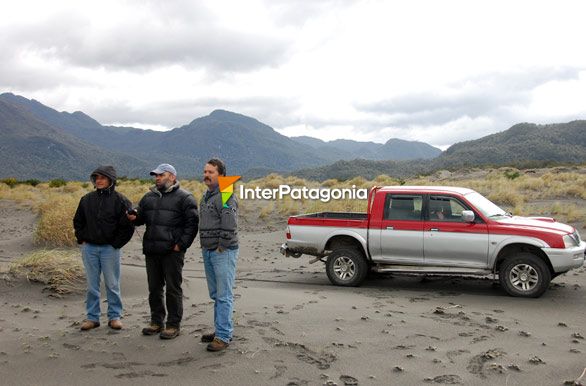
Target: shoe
{"points": [[152, 329], [208, 338], [217, 345], [115, 324], [89, 324], [170, 332]]}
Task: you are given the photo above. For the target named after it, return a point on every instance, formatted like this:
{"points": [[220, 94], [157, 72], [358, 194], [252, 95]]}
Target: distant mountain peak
{"points": [[220, 112], [226, 117], [229, 115]]}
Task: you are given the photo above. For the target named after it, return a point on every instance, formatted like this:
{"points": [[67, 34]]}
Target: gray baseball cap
{"points": [[162, 168]]}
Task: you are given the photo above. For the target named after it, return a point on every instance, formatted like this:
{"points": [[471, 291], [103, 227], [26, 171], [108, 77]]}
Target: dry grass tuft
{"points": [[60, 270], [55, 226]]}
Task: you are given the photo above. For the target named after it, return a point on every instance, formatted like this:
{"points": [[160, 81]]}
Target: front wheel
{"points": [[524, 275], [346, 267]]}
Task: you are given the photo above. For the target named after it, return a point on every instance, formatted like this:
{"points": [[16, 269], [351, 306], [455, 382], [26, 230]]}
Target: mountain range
{"points": [[522, 145], [393, 149], [40, 142], [76, 143]]}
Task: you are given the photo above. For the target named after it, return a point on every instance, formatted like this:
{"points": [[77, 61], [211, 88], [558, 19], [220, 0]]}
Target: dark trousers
{"points": [[165, 270]]}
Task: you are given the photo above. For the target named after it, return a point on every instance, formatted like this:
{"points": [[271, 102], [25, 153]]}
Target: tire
{"points": [[346, 267], [524, 275]]}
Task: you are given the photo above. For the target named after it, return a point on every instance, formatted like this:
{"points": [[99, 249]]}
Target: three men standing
{"points": [[104, 223], [219, 243], [171, 218], [102, 228]]}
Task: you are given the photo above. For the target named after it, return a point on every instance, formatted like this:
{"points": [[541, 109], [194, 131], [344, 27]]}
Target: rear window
{"points": [[403, 207]]}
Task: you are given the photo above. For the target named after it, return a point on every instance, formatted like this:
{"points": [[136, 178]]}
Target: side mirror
{"points": [[468, 216]]}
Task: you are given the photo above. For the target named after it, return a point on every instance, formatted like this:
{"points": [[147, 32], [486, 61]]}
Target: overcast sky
{"points": [[434, 71]]}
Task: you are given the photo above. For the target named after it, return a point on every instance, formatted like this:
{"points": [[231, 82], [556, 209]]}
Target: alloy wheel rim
{"points": [[344, 268], [524, 277]]}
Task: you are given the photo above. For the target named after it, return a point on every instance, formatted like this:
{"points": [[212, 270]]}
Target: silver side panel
{"points": [[456, 249], [398, 246], [306, 237]]}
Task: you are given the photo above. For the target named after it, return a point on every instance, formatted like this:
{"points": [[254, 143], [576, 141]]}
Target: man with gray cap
{"points": [[171, 218]]}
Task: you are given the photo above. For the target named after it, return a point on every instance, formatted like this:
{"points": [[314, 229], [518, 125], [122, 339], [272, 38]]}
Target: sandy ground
{"points": [[293, 328]]}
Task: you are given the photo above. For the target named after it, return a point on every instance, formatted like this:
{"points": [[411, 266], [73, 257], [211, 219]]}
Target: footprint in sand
{"points": [[449, 379], [348, 380]]}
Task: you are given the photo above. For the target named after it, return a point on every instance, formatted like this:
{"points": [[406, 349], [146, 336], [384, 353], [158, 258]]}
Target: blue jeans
{"points": [[98, 259], [220, 274]]}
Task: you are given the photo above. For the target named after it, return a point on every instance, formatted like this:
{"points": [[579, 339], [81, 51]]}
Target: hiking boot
{"points": [[89, 324], [170, 332], [208, 338], [152, 329], [217, 345], [115, 324]]}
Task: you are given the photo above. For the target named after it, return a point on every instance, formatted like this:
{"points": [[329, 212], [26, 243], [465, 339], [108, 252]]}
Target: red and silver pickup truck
{"points": [[437, 230]]}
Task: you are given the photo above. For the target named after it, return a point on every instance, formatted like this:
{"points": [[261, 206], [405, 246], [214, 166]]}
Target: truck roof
{"points": [[427, 189]]}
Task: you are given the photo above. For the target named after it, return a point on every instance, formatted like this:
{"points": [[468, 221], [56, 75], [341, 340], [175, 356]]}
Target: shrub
{"points": [[10, 181], [512, 174], [57, 183], [60, 270], [508, 198], [55, 227], [31, 182]]}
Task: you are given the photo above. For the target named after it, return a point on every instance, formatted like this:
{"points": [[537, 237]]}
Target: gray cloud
{"points": [[184, 33], [490, 95]]}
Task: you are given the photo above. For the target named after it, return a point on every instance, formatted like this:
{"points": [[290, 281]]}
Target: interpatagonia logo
{"points": [[227, 187]]}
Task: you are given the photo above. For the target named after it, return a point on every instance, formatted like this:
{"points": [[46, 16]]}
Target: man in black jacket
{"points": [[171, 218], [102, 228]]}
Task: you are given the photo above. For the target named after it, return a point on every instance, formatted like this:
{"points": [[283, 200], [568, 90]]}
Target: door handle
{"points": [[390, 228], [434, 230]]}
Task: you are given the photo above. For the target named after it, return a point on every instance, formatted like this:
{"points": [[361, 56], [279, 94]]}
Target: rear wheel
{"points": [[524, 275], [346, 267]]}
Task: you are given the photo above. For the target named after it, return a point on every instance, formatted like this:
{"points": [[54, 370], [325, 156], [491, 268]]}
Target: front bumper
{"points": [[562, 260]]}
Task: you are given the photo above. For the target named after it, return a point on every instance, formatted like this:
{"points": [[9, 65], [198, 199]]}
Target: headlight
{"points": [[571, 241]]}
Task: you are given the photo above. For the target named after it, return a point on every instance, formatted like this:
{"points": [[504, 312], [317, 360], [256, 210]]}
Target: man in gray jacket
{"points": [[218, 223]]}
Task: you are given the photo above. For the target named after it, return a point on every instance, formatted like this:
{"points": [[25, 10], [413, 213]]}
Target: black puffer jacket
{"points": [[101, 215], [171, 219]]}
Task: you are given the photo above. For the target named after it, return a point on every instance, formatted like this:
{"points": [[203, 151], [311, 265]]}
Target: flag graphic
{"points": [[227, 187]]}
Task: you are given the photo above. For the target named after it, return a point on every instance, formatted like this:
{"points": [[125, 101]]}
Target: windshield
{"points": [[485, 206]]}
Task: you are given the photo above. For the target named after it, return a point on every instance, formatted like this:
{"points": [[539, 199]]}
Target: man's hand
{"points": [[131, 214], [176, 248], [220, 250]]}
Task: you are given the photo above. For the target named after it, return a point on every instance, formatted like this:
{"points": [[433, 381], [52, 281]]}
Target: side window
{"points": [[442, 208], [403, 207]]}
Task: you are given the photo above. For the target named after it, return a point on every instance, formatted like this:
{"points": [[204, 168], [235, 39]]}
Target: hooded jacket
{"points": [[101, 215], [171, 219]]}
